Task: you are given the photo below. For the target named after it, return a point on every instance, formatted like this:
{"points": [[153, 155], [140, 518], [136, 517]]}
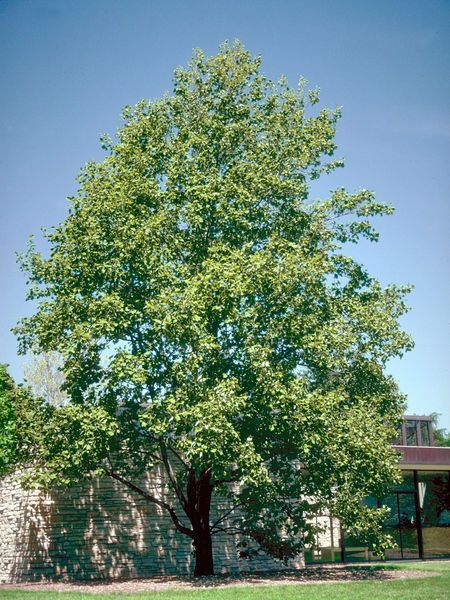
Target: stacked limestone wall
{"points": [[327, 540], [101, 530]]}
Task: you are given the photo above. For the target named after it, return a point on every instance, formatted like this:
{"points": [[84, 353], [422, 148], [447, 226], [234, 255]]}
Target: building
{"points": [[420, 506], [99, 529]]}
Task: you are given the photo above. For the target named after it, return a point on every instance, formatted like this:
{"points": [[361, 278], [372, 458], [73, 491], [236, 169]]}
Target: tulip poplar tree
{"points": [[210, 322]]}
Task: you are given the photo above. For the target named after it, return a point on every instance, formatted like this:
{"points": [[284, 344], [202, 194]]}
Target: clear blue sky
{"points": [[68, 67]]}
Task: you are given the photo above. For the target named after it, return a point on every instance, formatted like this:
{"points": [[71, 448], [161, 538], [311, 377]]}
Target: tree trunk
{"points": [[199, 492], [204, 564]]}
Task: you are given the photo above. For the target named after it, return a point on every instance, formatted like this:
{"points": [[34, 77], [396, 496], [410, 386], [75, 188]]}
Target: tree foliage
{"points": [[210, 320], [8, 438], [441, 435], [21, 417]]}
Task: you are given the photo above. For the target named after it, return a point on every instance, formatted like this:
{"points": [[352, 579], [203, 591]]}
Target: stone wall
{"points": [[327, 540], [101, 530]]}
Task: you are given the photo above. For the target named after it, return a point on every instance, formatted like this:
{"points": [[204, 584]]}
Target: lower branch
{"points": [[150, 498], [224, 516], [229, 531]]}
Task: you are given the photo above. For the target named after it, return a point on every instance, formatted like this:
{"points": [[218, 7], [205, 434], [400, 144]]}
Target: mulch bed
{"points": [[317, 575]]}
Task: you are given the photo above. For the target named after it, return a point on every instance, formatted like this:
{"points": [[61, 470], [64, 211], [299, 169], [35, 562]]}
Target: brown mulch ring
{"points": [[318, 575]]}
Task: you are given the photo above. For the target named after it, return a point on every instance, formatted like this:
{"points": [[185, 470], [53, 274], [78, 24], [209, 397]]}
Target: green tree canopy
{"points": [[8, 438], [21, 417], [210, 321]]}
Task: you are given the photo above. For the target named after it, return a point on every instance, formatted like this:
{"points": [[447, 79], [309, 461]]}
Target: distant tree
{"points": [[440, 435], [210, 322], [44, 376]]}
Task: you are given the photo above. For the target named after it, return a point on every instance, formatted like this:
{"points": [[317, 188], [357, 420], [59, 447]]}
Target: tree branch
{"points": [[172, 477], [229, 531], [225, 515], [150, 498], [231, 479], [177, 455]]}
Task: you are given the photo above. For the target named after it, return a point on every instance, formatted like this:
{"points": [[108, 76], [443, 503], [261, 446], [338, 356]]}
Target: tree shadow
{"points": [[95, 530], [100, 530]]}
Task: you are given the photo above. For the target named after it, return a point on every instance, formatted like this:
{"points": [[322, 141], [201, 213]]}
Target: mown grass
{"points": [[436, 587]]}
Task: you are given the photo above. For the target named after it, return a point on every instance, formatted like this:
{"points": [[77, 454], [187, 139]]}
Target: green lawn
{"points": [[429, 588]]}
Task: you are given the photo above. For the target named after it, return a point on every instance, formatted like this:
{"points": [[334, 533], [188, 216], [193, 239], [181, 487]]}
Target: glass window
{"points": [[425, 432], [401, 522], [434, 501], [411, 433], [408, 482]]}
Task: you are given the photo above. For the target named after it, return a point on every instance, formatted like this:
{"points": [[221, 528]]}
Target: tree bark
{"points": [[204, 563], [196, 504], [199, 492]]}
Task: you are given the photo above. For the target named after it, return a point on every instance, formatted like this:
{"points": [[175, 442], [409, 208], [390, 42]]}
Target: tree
{"points": [[211, 323], [20, 414], [8, 439], [440, 434], [44, 376]]}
